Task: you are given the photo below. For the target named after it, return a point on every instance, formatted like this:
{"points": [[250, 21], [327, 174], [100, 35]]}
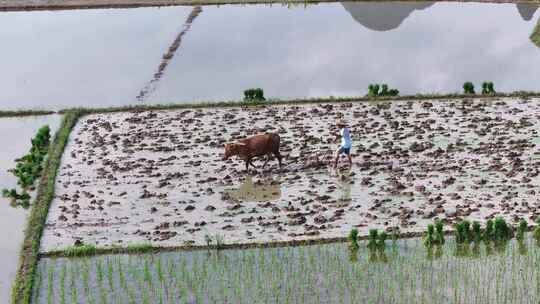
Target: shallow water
{"points": [[16, 134], [158, 176], [404, 273], [108, 57]]}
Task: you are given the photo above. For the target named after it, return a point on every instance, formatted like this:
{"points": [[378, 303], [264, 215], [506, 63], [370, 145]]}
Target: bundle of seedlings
{"points": [[376, 90], [487, 88], [377, 245], [468, 88], [521, 230], [434, 234], [254, 95], [28, 168], [353, 239]]}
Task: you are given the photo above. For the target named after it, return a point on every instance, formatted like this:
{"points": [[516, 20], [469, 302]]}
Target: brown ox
{"points": [[255, 146]]}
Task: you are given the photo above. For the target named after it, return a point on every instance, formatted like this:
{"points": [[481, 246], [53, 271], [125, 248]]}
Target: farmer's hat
{"points": [[341, 123]]}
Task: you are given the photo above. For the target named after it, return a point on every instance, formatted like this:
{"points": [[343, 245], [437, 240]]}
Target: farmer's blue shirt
{"points": [[346, 138]]}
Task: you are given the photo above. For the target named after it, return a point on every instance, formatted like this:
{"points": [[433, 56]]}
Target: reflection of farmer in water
{"points": [[346, 143]]}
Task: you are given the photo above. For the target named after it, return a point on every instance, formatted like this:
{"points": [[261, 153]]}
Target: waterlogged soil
{"points": [[405, 272], [16, 134], [158, 177]]}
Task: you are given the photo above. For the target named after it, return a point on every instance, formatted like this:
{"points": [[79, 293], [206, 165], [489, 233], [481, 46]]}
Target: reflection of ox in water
{"points": [[255, 146], [260, 191]]}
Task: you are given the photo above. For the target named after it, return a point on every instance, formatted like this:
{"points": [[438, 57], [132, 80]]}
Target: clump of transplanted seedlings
{"points": [[520, 237], [376, 90], [489, 232], [372, 239], [521, 230], [434, 237], [28, 168], [476, 232], [429, 240], [381, 243], [502, 231], [353, 239], [463, 238], [439, 232], [377, 245], [463, 232], [487, 88], [254, 95], [468, 88]]}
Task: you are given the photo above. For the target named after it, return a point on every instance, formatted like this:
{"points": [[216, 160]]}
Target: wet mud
{"points": [[158, 177]]}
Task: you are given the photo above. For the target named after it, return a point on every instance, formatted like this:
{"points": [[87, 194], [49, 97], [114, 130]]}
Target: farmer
{"points": [[346, 143]]}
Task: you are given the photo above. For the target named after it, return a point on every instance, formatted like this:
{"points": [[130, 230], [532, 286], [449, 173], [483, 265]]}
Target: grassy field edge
{"points": [[29, 254], [23, 113], [299, 101], [270, 102]]}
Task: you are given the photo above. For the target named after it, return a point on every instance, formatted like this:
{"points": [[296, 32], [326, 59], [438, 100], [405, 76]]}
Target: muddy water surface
{"points": [[15, 136], [158, 55]]}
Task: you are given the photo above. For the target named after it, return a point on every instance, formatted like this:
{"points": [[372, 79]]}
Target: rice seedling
{"points": [[521, 230], [219, 241], [439, 232], [353, 239], [429, 239], [489, 233], [501, 230], [63, 284], [373, 237], [476, 232], [50, 282], [110, 274], [38, 283]]}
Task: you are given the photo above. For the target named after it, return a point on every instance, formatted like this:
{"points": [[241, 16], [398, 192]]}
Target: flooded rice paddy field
{"points": [[16, 134], [405, 272], [158, 177], [158, 55]]}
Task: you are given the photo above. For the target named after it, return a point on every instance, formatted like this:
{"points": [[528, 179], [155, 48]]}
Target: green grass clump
{"points": [[468, 88], [254, 95], [17, 199], [139, 248], [81, 250], [29, 167]]}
